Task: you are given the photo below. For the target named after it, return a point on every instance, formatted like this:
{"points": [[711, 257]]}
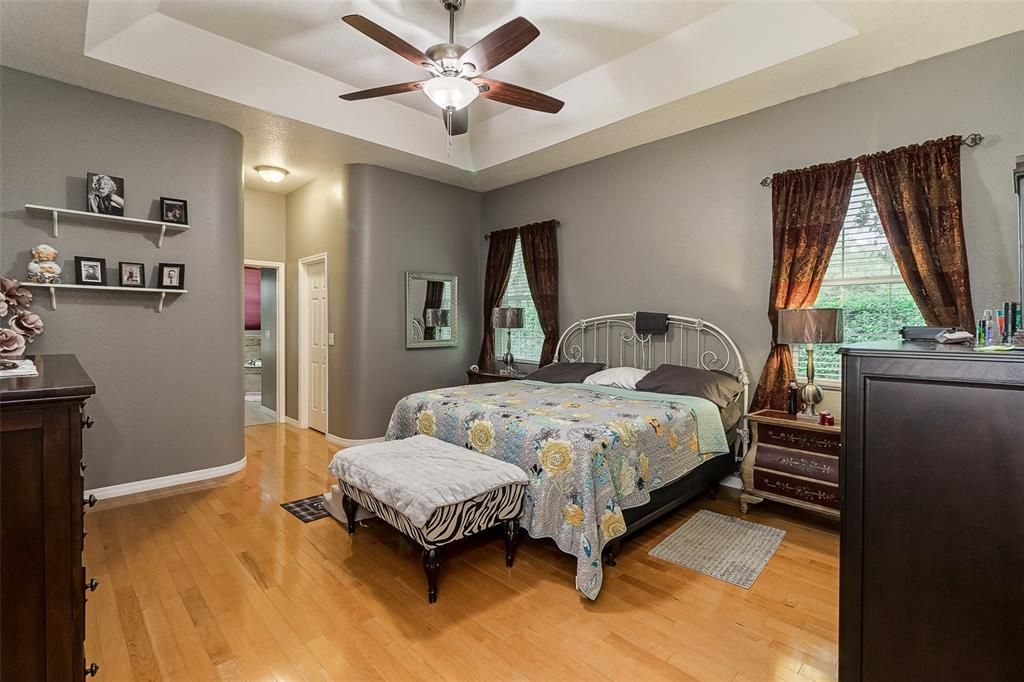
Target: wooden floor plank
{"points": [[216, 581]]}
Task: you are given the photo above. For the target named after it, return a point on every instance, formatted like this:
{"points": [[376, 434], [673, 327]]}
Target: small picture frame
{"points": [[173, 211], [131, 274], [170, 276], [91, 271], [104, 194]]}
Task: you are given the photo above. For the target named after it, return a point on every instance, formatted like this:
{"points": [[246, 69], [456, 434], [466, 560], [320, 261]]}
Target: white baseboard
{"points": [[351, 442], [289, 420], [148, 484]]}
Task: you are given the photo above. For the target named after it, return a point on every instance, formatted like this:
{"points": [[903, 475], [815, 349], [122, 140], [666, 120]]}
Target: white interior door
{"points": [[317, 334]]}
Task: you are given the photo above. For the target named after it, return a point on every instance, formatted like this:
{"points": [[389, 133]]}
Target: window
{"points": [[863, 280], [528, 341]]}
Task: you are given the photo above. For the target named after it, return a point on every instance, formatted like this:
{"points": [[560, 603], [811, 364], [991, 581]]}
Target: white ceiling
{"points": [[630, 72]]}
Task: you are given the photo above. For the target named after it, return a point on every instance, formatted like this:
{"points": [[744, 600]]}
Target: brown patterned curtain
{"points": [[435, 294], [808, 209], [540, 260], [917, 192], [499, 269]]}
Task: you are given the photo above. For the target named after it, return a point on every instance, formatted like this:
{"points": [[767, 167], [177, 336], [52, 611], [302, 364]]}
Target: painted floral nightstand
{"points": [[791, 460]]}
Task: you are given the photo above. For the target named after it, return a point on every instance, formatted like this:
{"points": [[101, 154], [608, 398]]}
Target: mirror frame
{"points": [[411, 342]]}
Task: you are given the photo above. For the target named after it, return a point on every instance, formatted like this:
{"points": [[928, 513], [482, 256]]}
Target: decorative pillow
{"points": [[718, 387], [566, 372], [617, 377]]}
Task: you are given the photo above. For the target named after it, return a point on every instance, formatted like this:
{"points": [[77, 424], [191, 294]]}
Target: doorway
{"points": [[313, 342], [263, 363]]}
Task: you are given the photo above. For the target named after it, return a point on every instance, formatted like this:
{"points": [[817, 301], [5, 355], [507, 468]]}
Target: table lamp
{"points": [[508, 318], [810, 326]]}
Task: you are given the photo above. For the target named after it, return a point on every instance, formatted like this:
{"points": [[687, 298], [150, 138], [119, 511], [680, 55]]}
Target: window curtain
{"points": [[540, 260], [502, 247], [433, 298], [808, 209], [917, 192]]}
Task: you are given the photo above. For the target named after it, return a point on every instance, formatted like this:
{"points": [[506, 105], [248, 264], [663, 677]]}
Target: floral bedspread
{"points": [[589, 451]]}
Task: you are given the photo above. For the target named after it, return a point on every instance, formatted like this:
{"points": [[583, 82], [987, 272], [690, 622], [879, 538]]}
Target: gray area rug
{"points": [[722, 547]]}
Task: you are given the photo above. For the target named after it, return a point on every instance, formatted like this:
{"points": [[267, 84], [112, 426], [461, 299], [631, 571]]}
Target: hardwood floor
{"points": [[220, 582]]}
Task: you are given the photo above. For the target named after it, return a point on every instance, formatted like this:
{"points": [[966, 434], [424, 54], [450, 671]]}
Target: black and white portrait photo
{"points": [[174, 211], [171, 276], [105, 194], [90, 270], [132, 274]]}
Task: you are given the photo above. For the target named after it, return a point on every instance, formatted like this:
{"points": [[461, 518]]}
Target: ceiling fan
{"points": [[455, 71]]}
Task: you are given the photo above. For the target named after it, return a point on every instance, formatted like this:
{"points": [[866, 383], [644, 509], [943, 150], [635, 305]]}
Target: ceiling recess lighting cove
{"points": [[271, 173]]}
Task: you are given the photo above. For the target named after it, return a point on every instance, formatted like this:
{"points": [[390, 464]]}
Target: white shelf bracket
{"points": [[160, 306], [53, 292], [54, 232], [160, 242]]}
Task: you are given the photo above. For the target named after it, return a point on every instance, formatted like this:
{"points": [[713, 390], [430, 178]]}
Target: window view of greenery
{"points": [[863, 280], [526, 342]]}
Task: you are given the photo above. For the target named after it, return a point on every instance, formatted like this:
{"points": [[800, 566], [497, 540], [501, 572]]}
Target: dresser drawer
{"points": [[806, 464], [802, 439], [795, 488]]}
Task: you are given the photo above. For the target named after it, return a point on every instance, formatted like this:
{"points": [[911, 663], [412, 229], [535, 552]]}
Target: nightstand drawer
{"points": [[798, 462], [802, 439], [812, 492]]}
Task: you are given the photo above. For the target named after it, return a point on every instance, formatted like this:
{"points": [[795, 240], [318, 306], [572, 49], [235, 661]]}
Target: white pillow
{"points": [[617, 377]]}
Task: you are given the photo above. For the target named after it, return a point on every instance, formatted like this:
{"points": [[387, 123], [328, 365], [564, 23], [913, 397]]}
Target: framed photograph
{"points": [[171, 276], [90, 270], [173, 211], [105, 194], [131, 274]]}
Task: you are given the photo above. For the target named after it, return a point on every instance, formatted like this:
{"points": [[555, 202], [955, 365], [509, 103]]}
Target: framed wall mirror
{"points": [[431, 310]]}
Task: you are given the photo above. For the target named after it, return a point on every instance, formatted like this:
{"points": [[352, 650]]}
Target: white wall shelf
{"points": [[120, 221], [130, 290]]}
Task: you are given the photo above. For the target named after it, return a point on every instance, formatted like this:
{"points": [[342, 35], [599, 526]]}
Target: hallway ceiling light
{"points": [[271, 173]]}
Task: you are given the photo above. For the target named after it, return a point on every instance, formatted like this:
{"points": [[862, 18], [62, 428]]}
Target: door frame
{"points": [[303, 354], [279, 324]]}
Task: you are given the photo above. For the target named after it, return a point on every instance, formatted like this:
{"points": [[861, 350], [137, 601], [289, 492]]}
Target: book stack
{"points": [[25, 368]]}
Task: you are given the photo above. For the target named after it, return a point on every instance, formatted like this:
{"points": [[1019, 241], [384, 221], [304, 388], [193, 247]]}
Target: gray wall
{"points": [[168, 384], [397, 223], [268, 329], [682, 225]]}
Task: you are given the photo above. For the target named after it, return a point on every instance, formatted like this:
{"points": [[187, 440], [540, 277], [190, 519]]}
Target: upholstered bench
{"points": [[433, 492]]}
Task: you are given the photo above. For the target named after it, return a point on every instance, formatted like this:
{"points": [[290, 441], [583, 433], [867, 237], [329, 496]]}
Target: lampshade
{"points": [[508, 318], [811, 325], [435, 317], [450, 91]]}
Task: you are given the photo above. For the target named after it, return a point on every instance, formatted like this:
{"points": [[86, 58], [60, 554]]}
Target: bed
{"points": [[603, 462]]}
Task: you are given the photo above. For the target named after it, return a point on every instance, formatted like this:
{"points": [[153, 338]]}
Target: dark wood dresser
{"points": [[932, 540], [42, 581]]}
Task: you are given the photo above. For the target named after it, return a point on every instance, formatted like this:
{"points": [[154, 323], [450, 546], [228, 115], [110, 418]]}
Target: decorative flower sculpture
{"points": [[22, 324]]}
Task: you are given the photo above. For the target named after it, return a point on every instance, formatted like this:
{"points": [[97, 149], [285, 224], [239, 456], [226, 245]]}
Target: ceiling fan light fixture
{"points": [[271, 173], [451, 91]]}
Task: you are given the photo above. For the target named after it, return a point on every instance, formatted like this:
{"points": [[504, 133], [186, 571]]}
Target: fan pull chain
{"points": [[448, 112]]}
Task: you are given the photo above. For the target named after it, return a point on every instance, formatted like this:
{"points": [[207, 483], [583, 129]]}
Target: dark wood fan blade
{"points": [[500, 44], [460, 121], [383, 91], [387, 39], [518, 96]]}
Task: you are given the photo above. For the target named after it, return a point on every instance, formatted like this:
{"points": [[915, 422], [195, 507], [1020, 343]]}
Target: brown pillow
{"points": [[718, 387], [566, 372]]}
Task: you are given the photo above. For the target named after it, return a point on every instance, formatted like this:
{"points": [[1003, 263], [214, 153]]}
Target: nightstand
{"points": [[791, 460], [489, 377]]}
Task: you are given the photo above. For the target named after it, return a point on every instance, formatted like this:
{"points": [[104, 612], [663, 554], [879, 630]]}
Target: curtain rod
{"points": [[488, 235], [972, 140]]}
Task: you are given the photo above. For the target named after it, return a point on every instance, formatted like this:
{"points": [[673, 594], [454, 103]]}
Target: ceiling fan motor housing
{"points": [[453, 5], [447, 55]]}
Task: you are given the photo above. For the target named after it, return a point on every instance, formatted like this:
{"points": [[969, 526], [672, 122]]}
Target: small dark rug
{"points": [[307, 509]]}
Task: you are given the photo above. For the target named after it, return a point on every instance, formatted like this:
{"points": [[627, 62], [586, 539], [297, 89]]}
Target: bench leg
{"points": [[432, 566], [511, 540], [350, 507]]}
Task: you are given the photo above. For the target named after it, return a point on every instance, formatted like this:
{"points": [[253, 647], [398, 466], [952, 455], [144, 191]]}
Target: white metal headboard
{"points": [[612, 339]]}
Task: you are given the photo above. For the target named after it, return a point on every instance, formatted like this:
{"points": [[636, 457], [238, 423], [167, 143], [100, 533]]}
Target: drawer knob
{"points": [[92, 670], [92, 584], [87, 423], [90, 501]]}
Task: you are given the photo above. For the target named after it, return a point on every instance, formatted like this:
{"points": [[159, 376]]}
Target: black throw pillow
{"points": [[718, 387], [566, 372]]}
